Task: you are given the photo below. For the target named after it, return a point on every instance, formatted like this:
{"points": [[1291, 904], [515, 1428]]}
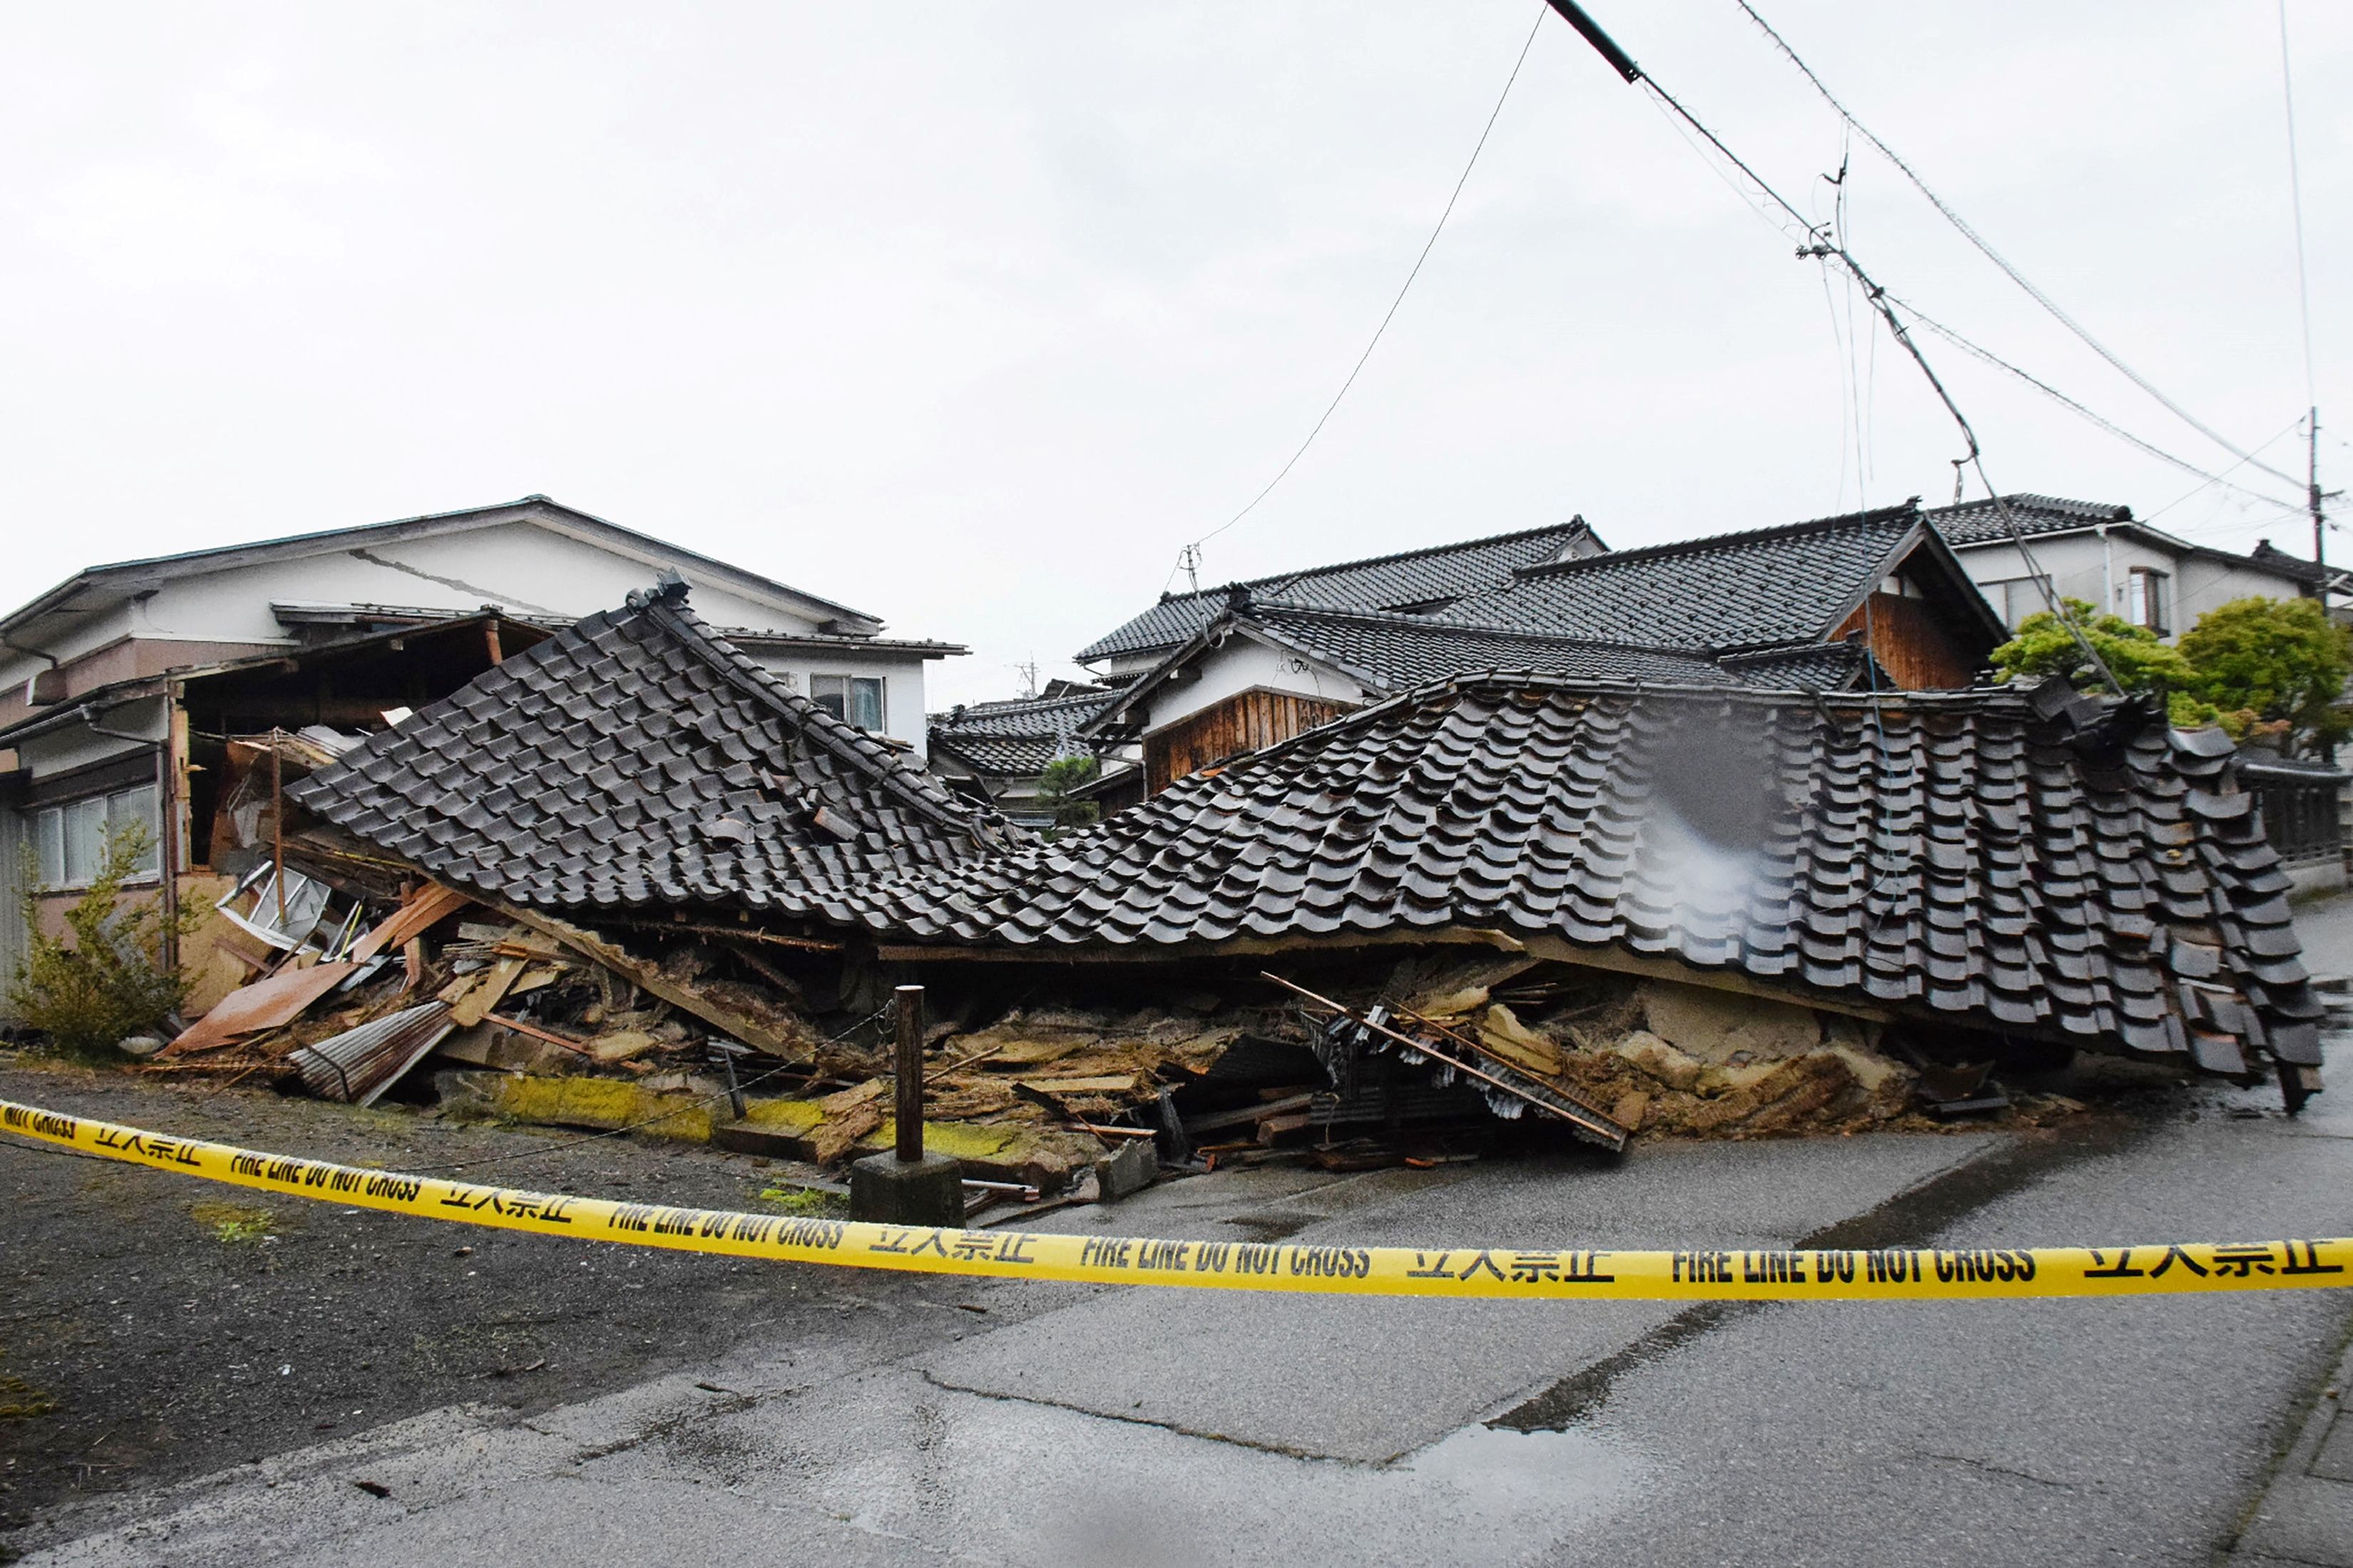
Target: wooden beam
{"points": [[1240, 947], [648, 977]]}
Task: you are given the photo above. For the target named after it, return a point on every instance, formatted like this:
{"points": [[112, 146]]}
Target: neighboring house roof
{"points": [[2273, 558], [316, 613], [1979, 523], [1818, 666], [636, 759], [1442, 572], [123, 579], [1016, 739], [1728, 593], [1967, 858], [1385, 653], [1393, 653]]}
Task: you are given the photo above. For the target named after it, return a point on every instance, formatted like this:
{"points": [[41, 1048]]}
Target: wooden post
{"points": [[909, 1071], [277, 825]]}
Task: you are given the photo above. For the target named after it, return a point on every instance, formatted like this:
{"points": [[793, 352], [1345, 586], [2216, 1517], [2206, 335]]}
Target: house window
{"points": [[2148, 601], [2015, 599], [852, 698], [70, 839]]}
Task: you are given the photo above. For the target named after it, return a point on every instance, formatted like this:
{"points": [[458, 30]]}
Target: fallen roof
{"points": [[633, 759], [1764, 588], [1960, 857], [1381, 583]]}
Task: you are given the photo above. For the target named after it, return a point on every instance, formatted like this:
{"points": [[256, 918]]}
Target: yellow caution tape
{"points": [[1487, 1273]]}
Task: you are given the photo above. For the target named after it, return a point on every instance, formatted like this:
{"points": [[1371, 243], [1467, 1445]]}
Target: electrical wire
{"points": [[2213, 479], [1824, 244], [1428, 246], [1986, 249], [1978, 351], [2295, 197]]}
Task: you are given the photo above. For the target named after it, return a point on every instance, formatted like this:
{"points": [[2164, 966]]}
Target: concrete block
{"points": [[1130, 1168], [888, 1190]]}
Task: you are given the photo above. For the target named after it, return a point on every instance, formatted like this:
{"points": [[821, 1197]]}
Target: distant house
{"points": [[2097, 551], [1872, 600], [534, 559], [998, 751], [124, 690], [1413, 581]]}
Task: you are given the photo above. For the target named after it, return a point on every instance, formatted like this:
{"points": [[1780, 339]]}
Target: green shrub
{"points": [[109, 976]]}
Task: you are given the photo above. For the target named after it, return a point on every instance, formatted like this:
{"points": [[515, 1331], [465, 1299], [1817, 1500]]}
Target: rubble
{"points": [[626, 880]]}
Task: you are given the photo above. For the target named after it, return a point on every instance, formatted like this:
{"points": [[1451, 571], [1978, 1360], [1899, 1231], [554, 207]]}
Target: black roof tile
{"points": [[477, 790], [1602, 813], [1383, 583]]}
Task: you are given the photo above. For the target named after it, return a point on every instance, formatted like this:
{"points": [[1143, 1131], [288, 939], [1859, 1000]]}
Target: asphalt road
{"points": [[890, 1421]]}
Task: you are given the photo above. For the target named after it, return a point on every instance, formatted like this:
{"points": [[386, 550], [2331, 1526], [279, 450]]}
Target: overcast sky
{"points": [[971, 315]]}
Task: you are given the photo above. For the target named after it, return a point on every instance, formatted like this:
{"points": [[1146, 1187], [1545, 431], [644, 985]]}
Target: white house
{"points": [[119, 685], [2098, 552]]}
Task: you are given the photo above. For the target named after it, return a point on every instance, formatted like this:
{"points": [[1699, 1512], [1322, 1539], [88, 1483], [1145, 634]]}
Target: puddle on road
{"points": [[1507, 1472]]}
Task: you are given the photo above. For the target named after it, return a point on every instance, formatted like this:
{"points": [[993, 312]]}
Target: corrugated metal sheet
{"points": [[360, 1064]]}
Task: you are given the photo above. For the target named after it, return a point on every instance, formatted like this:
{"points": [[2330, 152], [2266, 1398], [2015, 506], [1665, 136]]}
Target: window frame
{"points": [[2148, 599], [65, 864], [843, 700]]}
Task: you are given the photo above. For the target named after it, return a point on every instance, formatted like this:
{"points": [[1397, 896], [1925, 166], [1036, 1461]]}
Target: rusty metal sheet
{"points": [[361, 1063], [264, 1005]]}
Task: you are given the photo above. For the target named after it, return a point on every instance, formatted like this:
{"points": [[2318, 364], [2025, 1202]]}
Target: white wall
{"points": [[2076, 563], [902, 695], [88, 634], [78, 746], [1244, 664], [519, 566]]}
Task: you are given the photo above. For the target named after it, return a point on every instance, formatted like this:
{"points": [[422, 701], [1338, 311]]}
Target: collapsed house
{"points": [[1608, 905]]}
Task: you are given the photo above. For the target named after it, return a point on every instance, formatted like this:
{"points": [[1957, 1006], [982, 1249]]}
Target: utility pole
{"points": [[2314, 499]]}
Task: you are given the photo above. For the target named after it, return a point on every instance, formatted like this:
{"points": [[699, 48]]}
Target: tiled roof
{"points": [[1393, 653], [1955, 857], [2271, 556], [1980, 521], [1383, 583], [1816, 666], [636, 759], [1016, 737], [1763, 588]]}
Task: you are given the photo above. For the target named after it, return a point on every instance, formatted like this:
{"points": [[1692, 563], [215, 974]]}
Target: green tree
{"points": [[1057, 792], [2043, 646], [2274, 661], [108, 977]]}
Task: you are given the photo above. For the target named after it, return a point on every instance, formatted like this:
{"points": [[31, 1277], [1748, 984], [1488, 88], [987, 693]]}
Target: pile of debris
{"points": [[678, 1029]]}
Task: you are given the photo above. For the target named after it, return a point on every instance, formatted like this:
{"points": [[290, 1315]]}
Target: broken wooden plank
{"points": [[1248, 1113], [649, 976], [1102, 1083], [524, 1026], [410, 919], [264, 1005], [490, 988]]}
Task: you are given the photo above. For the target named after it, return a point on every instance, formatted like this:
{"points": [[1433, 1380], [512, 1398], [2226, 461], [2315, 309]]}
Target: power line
{"points": [[2295, 198], [1977, 351], [1190, 559], [1822, 244], [1986, 249]]}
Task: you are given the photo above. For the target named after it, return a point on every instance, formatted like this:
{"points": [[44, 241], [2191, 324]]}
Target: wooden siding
{"points": [[1912, 646], [1242, 722]]}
